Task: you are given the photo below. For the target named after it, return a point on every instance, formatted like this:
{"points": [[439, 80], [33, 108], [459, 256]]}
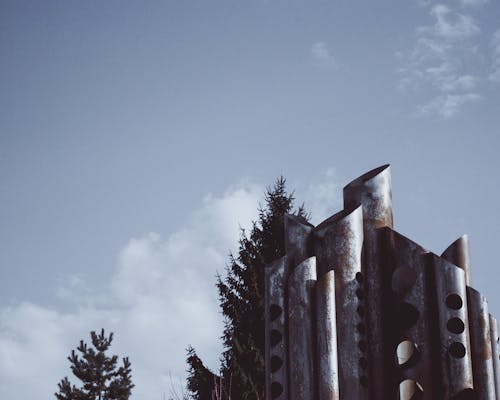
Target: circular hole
{"points": [[276, 337], [362, 345], [276, 363], [276, 389], [359, 277], [360, 294], [408, 316], [360, 310], [363, 363], [454, 301], [457, 350], [405, 352], [275, 311], [403, 279], [361, 328], [455, 325], [363, 380], [410, 390]]}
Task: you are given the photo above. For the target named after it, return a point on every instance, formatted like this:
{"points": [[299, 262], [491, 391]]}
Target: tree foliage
{"points": [[99, 374], [241, 297]]}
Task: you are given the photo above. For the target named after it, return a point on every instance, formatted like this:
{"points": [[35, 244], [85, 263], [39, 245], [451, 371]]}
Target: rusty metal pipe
{"points": [[276, 349], [495, 354], [453, 317], [301, 305], [482, 362], [373, 192], [338, 244], [326, 345], [458, 253]]}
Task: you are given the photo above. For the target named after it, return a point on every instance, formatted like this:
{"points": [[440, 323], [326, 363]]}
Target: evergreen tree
{"points": [[101, 378], [241, 296]]}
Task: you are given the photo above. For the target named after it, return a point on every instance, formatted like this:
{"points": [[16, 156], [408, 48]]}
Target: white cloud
{"points": [[447, 106], [495, 70], [322, 53], [161, 299], [443, 63], [450, 25]]}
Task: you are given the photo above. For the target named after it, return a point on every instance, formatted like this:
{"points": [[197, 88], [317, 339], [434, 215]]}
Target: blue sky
{"points": [[136, 137]]}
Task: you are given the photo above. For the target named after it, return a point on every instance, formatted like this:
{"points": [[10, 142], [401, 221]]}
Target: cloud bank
{"points": [[161, 298]]}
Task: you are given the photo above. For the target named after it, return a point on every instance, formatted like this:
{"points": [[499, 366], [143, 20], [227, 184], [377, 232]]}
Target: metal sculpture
{"points": [[356, 311]]}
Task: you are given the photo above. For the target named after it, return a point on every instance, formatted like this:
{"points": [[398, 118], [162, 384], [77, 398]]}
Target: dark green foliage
{"points": [[201, 379], [241, 295], [101, 378]]}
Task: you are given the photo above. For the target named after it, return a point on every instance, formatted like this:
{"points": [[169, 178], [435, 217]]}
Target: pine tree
{"points": [[241, 296], [101, 378]]}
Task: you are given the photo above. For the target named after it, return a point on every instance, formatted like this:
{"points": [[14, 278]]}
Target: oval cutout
{"points": [[455, 325], [454, 301], [276, 363], [275, 311], [410, 390], [457, 350], [276, 389], [406, 352], [408, 316], [276, 337]]}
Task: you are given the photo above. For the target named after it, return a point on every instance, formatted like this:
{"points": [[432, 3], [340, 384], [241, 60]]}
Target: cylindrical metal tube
{"points": [[455, 350], [410, 330], [482, 363], [301, 305], [326, 345], [297, 232], [458, 253], [276, 351], [373, 191], [338, 244], [495, 354]]}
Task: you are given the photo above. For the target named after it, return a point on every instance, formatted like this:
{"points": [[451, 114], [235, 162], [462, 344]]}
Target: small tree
{"points": [[241, 297], [101, 378]]}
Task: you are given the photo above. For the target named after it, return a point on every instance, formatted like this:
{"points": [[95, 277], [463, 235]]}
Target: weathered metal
{"points": [[458, 253], [373, 192], [482, 362], [453, 325], [301, 312], [326, 345], [410, 318], [276, 356], [338, 242], [357, 311], [495, 354]]}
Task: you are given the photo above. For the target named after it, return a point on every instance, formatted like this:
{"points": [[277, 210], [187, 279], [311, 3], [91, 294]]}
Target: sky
{"points": [[137, 138]]}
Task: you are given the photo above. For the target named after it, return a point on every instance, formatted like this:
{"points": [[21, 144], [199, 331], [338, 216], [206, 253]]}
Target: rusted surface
{"points": [[357, 311], [482, 362], [301, 332], [458, 253], [455, 350], [276, 346], [373, 192], [326, 345], [495, 354], [410, 299], [296, 240], [338, 243]]}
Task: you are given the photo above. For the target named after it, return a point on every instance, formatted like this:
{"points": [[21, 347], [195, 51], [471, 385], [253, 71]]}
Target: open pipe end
{"points": [[373, 191], [458, 253], [348, 214]]}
